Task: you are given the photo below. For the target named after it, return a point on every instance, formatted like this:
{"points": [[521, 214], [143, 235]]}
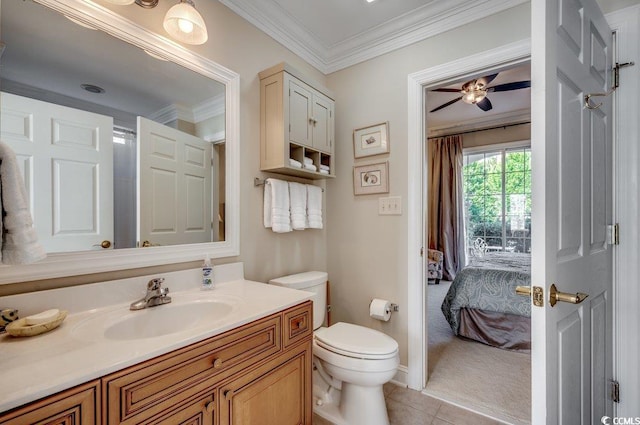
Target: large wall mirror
{"points": [[128, 142]]}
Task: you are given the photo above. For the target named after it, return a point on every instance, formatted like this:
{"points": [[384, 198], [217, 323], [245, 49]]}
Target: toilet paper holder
{"points": [[393, 306]]}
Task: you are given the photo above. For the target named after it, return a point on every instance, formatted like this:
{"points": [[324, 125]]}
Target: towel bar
{"points": [[260, 182]]}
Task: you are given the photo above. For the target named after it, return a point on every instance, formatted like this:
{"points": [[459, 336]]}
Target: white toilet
{"points": [[350, 362]]}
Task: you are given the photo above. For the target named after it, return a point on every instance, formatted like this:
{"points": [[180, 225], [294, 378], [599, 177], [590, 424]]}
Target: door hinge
{"points": [[422, 251], [615, 391], [613, 234]]}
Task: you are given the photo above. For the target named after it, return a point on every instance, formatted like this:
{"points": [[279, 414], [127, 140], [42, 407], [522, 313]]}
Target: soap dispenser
{"points": [[207, 274]]}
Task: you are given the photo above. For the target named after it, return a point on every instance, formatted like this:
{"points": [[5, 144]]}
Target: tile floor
{"points": [[408, 407]]}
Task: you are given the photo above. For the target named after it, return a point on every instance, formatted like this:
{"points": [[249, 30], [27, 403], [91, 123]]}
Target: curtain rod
{"points": [[480, 129]]}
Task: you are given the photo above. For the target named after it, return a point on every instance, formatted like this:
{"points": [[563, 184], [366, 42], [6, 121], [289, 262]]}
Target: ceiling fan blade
{"points": [[486, 80], [447, 90], [510, 86], [485, 104], [451, 102]]}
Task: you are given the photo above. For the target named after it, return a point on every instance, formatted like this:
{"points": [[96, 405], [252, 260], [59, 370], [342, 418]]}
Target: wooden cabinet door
{"points": [[300, 109], [322, 123], [277, 393], [77, 406]]}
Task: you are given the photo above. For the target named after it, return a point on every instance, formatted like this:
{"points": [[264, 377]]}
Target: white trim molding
{"points": [[429, 20], [77, 263], [495, 59]]}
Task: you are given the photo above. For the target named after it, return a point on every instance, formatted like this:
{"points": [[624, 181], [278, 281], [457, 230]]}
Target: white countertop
{"points": [[38, 366]]}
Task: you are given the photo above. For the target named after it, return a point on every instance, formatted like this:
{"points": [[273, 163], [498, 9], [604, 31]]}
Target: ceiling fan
{"points": [[474, 92]]}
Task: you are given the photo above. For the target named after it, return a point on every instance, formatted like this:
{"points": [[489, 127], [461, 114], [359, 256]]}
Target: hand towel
{"points": [[276, 206], [295, 163], [307, 160], [314, 207], [324, 171], [324, 167], [19, 241], [310, 167], [298, 198]]}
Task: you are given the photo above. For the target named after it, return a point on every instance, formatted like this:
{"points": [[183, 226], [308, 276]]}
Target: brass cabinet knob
{"points": [[146, 244], [217, 363], [209, 407], [105, 244]]}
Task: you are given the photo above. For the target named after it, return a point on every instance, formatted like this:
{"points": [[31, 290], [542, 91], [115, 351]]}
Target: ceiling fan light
{"points": [[185, 24]]}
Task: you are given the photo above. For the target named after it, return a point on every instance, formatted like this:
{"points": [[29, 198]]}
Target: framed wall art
{"points": [[371, 178], [372, 140]]}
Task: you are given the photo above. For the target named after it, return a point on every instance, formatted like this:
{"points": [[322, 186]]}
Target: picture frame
{"points": [[371, 140], [371, 178]]}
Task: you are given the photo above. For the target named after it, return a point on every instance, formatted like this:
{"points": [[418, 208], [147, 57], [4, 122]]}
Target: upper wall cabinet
{"points": [[296, 124]]}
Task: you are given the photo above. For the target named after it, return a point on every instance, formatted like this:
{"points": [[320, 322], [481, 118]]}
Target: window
{"points": [[497, 196]]}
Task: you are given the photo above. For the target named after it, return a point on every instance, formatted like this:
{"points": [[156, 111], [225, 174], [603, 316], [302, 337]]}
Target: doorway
{"points": [[507, 56]]}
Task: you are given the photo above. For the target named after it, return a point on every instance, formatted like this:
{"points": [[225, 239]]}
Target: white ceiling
{"points": [[334, 34]]}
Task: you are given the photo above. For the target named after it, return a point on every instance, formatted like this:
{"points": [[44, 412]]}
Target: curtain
{"points": [[446, 205]]}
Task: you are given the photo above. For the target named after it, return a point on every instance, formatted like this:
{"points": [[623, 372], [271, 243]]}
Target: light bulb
{"points": [[185, 26]]}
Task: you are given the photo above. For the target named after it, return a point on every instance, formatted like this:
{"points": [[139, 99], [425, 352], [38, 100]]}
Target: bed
{"points": [[482, 303]]}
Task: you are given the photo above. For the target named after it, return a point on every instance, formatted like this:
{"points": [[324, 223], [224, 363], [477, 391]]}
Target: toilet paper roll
{"points": [[380, 309]]}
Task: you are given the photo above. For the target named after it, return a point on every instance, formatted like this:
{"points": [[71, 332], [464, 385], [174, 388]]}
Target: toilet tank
{"points": [[314, 282]]}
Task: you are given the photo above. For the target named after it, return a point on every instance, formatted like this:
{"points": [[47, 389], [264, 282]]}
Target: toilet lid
{"points": [[356, 341]]}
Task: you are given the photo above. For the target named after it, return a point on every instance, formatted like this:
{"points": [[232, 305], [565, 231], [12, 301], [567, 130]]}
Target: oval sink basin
{"points": [[153, 322]]}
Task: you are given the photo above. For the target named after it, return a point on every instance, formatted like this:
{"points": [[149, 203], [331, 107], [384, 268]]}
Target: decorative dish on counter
{"points": [[37, 324]]}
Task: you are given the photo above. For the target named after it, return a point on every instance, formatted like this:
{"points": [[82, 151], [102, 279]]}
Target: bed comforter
{"points": [[484, 295]]}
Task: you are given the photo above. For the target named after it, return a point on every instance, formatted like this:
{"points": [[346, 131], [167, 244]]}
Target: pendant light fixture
{"points": [[182, 21], [185, 24]]}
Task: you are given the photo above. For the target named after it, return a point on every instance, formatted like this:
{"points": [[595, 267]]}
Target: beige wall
{"points": [[367, 253]]}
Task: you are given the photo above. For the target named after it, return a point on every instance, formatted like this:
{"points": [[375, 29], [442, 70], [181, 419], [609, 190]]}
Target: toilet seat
{"points": [[356, 341]]}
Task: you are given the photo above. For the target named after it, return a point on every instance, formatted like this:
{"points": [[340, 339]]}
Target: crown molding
{"points": [[427, 21], [209, 108], [171, 113]]}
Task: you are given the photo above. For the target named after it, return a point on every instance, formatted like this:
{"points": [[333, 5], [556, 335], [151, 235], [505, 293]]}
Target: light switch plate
{"points": [[391, 205]]}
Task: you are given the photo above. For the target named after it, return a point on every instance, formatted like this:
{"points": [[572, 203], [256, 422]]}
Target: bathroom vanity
{"points": [[253, 365]]}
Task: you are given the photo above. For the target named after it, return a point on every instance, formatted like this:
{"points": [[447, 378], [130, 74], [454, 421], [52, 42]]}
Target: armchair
{"points": [[435, 260]]}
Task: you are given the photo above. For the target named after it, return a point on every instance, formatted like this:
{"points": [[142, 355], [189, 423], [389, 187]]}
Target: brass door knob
{"points": [[555, 296]]}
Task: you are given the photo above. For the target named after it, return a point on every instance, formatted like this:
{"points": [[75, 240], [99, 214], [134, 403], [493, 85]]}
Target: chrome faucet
{"points": [[156, 295]]}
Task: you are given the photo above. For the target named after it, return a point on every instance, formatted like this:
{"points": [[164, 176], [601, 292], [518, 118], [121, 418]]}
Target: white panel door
{"points": [[66, 156], [572, 194], [175, 176]]}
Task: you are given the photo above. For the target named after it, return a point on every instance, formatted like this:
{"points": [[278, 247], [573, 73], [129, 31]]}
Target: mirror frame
{"points": [[78, 263]]}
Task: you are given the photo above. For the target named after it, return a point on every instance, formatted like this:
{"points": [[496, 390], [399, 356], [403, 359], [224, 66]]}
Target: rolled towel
{"points": [[314, 207], [324, 167], [298, 197], [310, 167], [276, 205], [324, 171], [295, 163], [307, 160]]}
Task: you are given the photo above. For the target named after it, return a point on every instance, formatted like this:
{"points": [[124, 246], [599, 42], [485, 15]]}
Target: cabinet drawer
{"points": [[77, 406], [198, 410], [143, 390], [298, 323]]}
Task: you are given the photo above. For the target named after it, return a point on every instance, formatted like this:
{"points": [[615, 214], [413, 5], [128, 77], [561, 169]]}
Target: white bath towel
{"points": [[298, 198], [19, 241], [310, 167], [307, 160], [324, 167], [295, 163], [324, 171], [276, 206], [314, 207]]}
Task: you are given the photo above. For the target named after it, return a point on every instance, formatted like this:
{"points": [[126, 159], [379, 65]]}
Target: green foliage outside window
{"points": [[497, 192]]}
